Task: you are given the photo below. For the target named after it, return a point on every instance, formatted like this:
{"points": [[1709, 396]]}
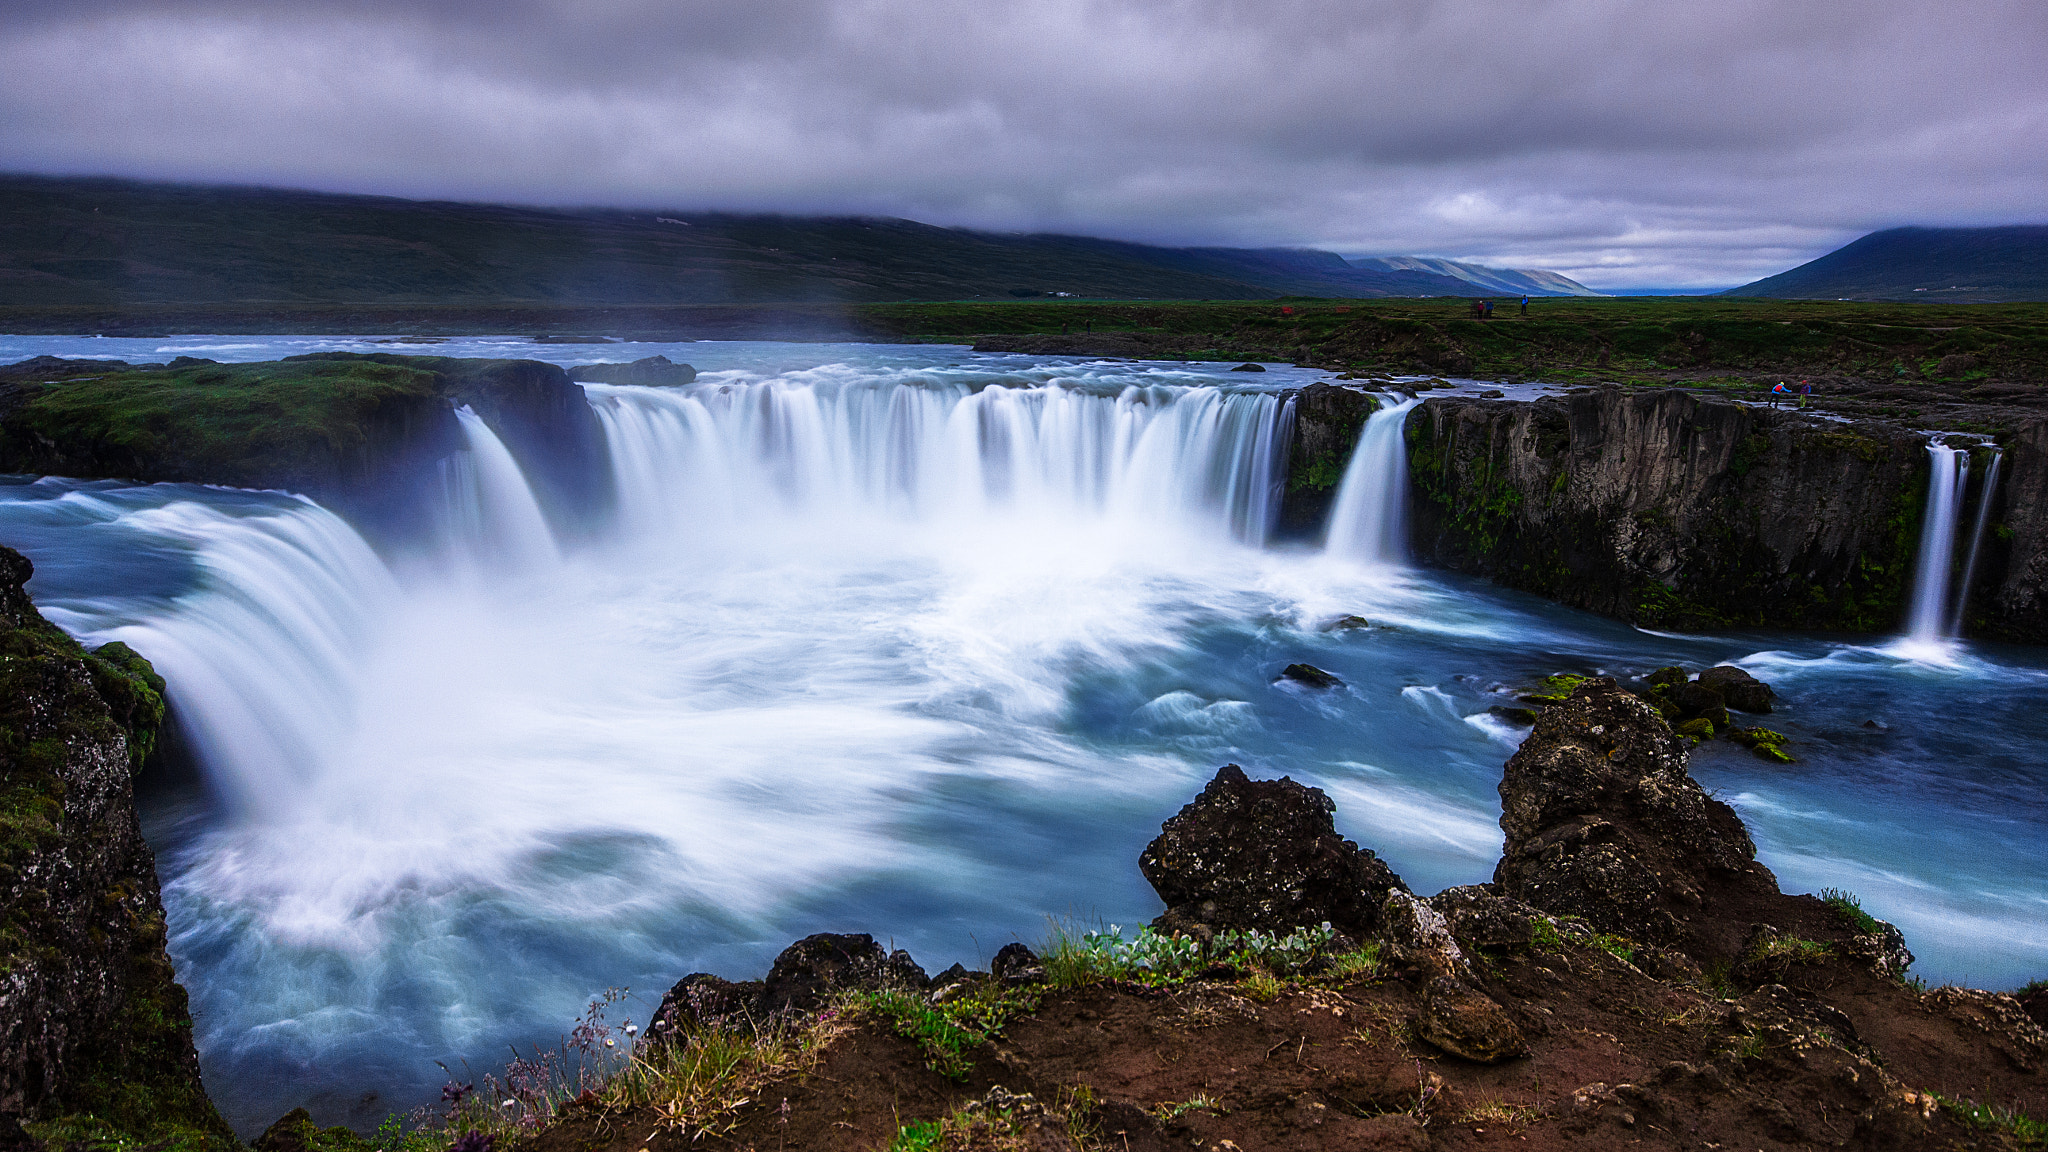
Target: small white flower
{"points": [[632, 1029], [511, 1103], [610, 1043]]}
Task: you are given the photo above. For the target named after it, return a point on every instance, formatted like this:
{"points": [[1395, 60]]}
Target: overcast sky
{"points": [[1622, 142]]}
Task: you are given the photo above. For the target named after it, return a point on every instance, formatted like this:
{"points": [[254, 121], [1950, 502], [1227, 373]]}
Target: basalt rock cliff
{"points": [[1328, 419], [360, 433], [1672, 510], [95, 1038]]}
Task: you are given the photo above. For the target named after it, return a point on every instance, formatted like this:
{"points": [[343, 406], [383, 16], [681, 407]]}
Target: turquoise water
{"points": [[871, 650]]}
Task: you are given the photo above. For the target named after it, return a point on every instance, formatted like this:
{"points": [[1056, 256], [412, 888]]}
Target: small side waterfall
{"points": [[1990, 488], [489, 510], [1369, 521], [1937, 609], [1950, 470]]}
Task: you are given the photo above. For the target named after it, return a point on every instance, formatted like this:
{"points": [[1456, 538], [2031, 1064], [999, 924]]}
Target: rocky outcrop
{"points": [[1328, 419], [1265, 855], [92, 1021], [538, 412], [1671, 510], [361, 433], [1604, 823], [2009, 599], [648, 371], [803, 977]]}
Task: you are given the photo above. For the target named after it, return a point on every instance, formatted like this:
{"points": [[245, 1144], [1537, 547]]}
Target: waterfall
{"points": [[1949, 471], [263, 656], [1369, 521], [1990, 487], [706, 459], [488, 511]]}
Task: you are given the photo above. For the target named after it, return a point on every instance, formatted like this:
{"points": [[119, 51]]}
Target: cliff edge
{"points": [[95, 1037]]}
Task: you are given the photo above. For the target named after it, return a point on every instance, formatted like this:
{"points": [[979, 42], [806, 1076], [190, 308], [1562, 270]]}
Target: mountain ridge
{"points": [[100, 240], [1955, 265]]}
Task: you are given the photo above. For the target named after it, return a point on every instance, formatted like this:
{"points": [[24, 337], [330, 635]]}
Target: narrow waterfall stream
{"points": [[1936, 615], [1369, 519], [911, 641]]}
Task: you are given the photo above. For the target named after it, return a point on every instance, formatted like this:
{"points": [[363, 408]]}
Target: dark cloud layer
{"points": [[1619, 141]]}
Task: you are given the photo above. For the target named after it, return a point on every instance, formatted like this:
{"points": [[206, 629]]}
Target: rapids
{"points": [[905, 640]]}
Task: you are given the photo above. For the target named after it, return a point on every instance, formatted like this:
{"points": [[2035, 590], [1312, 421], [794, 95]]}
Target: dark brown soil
{"points": [[1616, 1060]]}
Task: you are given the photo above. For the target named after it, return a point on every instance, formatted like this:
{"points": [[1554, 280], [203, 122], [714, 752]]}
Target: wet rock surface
{"points": [[648, 371], [1680, 510], [1263, 854], [91, 1019], [1604, 822], [804, 977], [1737, 688], [1310, 676]]}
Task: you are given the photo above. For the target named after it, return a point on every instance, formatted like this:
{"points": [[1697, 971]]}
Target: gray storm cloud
{"points": [[1622, 142]]}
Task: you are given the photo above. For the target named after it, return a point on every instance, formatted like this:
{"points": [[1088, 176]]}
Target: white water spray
{"points": [[1369, 520]]}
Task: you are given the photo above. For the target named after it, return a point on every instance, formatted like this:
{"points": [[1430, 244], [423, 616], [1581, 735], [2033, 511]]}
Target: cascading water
{"points": [[1369, 520], [1990, 489], [920, 643], [488, 511], [1928, 624], [717, 457]]}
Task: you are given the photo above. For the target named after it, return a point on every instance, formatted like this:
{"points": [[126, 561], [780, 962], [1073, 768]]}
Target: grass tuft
{"points": [[1851, 910]]}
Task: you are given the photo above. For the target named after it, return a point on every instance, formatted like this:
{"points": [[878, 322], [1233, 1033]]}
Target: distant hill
{"points": [[1506, 281], [105, 241], [1950, 264]]}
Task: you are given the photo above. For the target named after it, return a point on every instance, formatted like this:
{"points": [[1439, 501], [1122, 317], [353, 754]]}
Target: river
{"points": [[899, 639]]}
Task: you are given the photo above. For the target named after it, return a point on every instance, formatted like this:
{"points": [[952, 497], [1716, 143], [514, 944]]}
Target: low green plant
{"points": [[1544, 934], [1174, 1110], [1850, 909], [944, 1031], [2025, 1131], [1619, 947], [923, 1136], [1156, 958]]}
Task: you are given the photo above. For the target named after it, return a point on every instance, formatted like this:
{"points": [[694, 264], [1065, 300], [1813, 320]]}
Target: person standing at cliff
{"points": [[1779, 393], [1805, 393]]}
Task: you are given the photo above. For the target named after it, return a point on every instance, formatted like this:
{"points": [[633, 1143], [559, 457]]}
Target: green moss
{"points": [[134, 694], [1554, 689]]}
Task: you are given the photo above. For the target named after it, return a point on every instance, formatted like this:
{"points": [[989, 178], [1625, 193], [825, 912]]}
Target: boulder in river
{"points": [[1249, 368], [1604, 822], [1741, 691], [1264, 854], [651, 371], [1309, 675]]}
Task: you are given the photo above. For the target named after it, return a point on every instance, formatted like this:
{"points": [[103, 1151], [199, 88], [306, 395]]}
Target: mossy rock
{"points": [[1666, 679], [1554, 689], [1701, 729], [1773, 753], [296, 1132], [1756, 737]]}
